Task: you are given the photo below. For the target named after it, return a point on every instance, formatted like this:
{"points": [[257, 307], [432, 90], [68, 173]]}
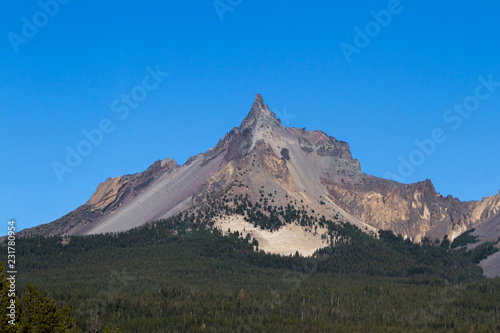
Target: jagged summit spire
{"points": [[259, 111], [259, 102]]}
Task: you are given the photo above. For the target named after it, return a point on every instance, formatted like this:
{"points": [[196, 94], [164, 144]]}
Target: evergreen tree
{"points": [[40, 314], [37, 314]]}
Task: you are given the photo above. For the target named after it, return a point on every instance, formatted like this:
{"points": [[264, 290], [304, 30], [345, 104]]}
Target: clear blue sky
{"points": [[395, 90]]}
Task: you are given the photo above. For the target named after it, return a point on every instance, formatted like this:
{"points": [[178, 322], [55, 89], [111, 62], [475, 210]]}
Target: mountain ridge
{"points": [[295, 164]]}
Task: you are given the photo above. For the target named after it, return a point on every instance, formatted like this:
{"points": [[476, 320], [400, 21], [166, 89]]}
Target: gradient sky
{"points": [[65, 78]]}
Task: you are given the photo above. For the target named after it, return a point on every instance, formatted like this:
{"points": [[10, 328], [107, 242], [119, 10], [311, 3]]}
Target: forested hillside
{"points": [[179, 275]]}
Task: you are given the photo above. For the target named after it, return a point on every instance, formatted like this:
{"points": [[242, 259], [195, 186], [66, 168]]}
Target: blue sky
{"points": [[74, 70]]}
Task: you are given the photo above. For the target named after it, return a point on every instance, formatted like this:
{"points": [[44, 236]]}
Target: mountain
{"points": [[488, 231], [264, 159]]}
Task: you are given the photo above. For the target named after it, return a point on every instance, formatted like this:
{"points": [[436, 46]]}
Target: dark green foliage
{"points": [[41, 315], [5, 302], [445, 243], [35, 313], [178, 275], [464, 239]]}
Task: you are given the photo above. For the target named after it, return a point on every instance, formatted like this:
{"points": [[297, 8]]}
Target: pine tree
{"points": [[40, 314], [35, 314]]}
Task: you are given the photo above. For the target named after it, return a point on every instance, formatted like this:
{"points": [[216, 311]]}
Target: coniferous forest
{"points": [[181, 275]]}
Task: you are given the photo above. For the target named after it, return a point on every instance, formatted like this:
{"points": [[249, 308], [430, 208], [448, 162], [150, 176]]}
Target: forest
{"points": [[182, 275]]}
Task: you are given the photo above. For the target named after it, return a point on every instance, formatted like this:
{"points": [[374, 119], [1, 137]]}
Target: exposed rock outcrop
{"points": [[293, 165]]}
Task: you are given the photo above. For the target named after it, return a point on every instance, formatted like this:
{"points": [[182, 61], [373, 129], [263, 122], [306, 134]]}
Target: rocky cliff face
{"points": [[109, 196], [263, 156], [413, 210]]}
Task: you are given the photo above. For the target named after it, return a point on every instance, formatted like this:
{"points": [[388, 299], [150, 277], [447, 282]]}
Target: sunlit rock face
{"points": [[263, 156]]}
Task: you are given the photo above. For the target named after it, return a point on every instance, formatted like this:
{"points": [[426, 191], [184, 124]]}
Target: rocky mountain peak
{"points": [[259, 113], [308, 166]]}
